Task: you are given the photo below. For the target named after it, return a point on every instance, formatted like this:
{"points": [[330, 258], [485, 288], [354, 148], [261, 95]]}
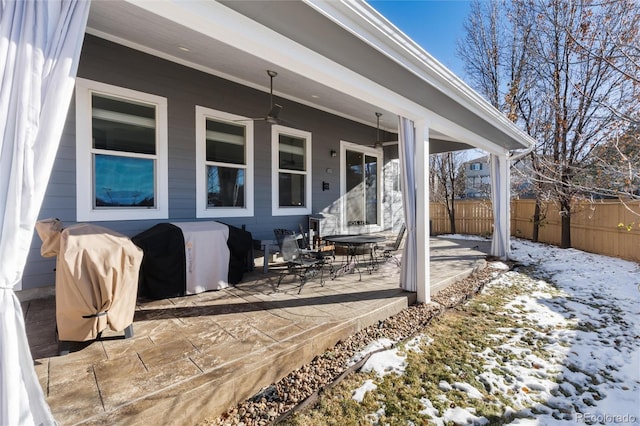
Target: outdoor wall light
{"points": [[333, 153]]}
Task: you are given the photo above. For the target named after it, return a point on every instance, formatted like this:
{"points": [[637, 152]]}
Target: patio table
{"points": [[352, 243]]}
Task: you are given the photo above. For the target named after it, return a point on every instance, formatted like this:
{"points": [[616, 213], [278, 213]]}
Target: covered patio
{"points": [[339, 64], [197, 356]]}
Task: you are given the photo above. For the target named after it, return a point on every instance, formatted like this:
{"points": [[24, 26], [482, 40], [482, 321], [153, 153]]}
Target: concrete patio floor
{"points": [[197, 356]]}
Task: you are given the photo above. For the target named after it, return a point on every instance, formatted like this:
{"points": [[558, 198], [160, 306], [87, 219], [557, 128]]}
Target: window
{"points": [[291, 165], [360, 192], [476, 166], [121, 153], [224, 156]]}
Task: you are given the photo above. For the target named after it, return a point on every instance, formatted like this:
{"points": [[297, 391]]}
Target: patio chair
{"points": [[299, 262], [281, 233], [388, 250], [325, 251]]}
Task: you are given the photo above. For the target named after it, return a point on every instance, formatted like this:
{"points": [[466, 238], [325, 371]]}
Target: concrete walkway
{"points": [[197, 356]]}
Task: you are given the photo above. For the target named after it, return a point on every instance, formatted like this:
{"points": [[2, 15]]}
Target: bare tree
{"points": [[483, 49], [447, 180], [615, 166], [496, 51], [579, 74], [569, 75]]}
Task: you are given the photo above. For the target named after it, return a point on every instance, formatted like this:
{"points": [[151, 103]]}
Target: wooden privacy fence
{"points": [[607, 227]]}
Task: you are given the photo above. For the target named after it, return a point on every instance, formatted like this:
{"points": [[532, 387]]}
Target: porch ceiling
{"points": [[188, 33], [127, 24]]}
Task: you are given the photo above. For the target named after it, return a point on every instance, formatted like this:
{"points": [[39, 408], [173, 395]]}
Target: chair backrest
{"points": [[304, 241], [289, 250], [396, 244], [280, 233]]}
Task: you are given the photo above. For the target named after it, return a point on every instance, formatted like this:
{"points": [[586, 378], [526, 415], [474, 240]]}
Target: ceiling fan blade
{"points": [[249, 119], [286, 123]]}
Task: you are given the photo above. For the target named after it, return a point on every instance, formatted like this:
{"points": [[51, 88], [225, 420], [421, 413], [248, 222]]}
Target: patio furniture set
{"points": [[306, 261]]}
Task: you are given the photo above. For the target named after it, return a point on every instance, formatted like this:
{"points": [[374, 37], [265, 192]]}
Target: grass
{"points": [[451, 356]]}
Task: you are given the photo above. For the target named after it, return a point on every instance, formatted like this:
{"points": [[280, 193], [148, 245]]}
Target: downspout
{"points": [[516, 156]]}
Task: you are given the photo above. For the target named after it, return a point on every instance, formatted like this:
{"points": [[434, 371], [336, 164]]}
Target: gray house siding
{"points": [[184, 88]]}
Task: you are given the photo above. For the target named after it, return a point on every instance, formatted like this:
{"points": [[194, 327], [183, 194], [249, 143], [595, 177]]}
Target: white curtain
{"points": [[500, 200], [40, 43], [407, 153]]}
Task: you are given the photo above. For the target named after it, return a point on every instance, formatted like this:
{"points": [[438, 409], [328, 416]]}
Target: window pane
{"points": [[124, 182], [123, 126], [292, 153], [291, 189], [225, 142], [225, 187]]}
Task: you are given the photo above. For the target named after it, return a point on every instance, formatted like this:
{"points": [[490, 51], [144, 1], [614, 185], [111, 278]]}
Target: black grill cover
{"points": [[240, 243], [163, 271]]}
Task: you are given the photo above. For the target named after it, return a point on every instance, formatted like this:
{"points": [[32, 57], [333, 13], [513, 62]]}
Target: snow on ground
{"points": [[367, 386], [372, 347], [586, 309]]}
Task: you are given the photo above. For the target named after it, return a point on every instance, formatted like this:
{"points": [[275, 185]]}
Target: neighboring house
{"points": [[477, 178], [169, 121]]}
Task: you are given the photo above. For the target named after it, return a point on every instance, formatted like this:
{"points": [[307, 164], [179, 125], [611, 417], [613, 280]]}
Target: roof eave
{"points": [[366, 23]]}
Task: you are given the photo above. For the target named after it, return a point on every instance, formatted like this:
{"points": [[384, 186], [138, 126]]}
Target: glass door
{"points": [[361, 205]]}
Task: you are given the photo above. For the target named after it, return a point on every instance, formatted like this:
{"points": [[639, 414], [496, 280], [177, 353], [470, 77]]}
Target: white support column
{"points": [[501, 199], [422, 211], [505, 171]]}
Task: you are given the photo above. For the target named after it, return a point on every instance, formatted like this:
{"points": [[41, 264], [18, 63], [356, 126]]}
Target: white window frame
{"points": [[84, 153], [202, 210], [375, 152], [276, 210]]}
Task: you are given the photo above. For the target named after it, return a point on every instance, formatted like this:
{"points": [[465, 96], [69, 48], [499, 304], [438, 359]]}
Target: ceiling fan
{"points": [[272, 116], [378, 143]]}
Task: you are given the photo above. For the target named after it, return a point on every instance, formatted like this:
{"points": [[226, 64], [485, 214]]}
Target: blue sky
{"points": [[436, 25]]}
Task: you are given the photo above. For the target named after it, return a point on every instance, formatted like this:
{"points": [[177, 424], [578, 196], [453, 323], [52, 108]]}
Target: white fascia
{"points": [[461, 134]]}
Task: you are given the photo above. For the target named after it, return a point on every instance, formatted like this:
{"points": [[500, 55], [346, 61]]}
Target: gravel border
{"points": [[300, 388]]}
